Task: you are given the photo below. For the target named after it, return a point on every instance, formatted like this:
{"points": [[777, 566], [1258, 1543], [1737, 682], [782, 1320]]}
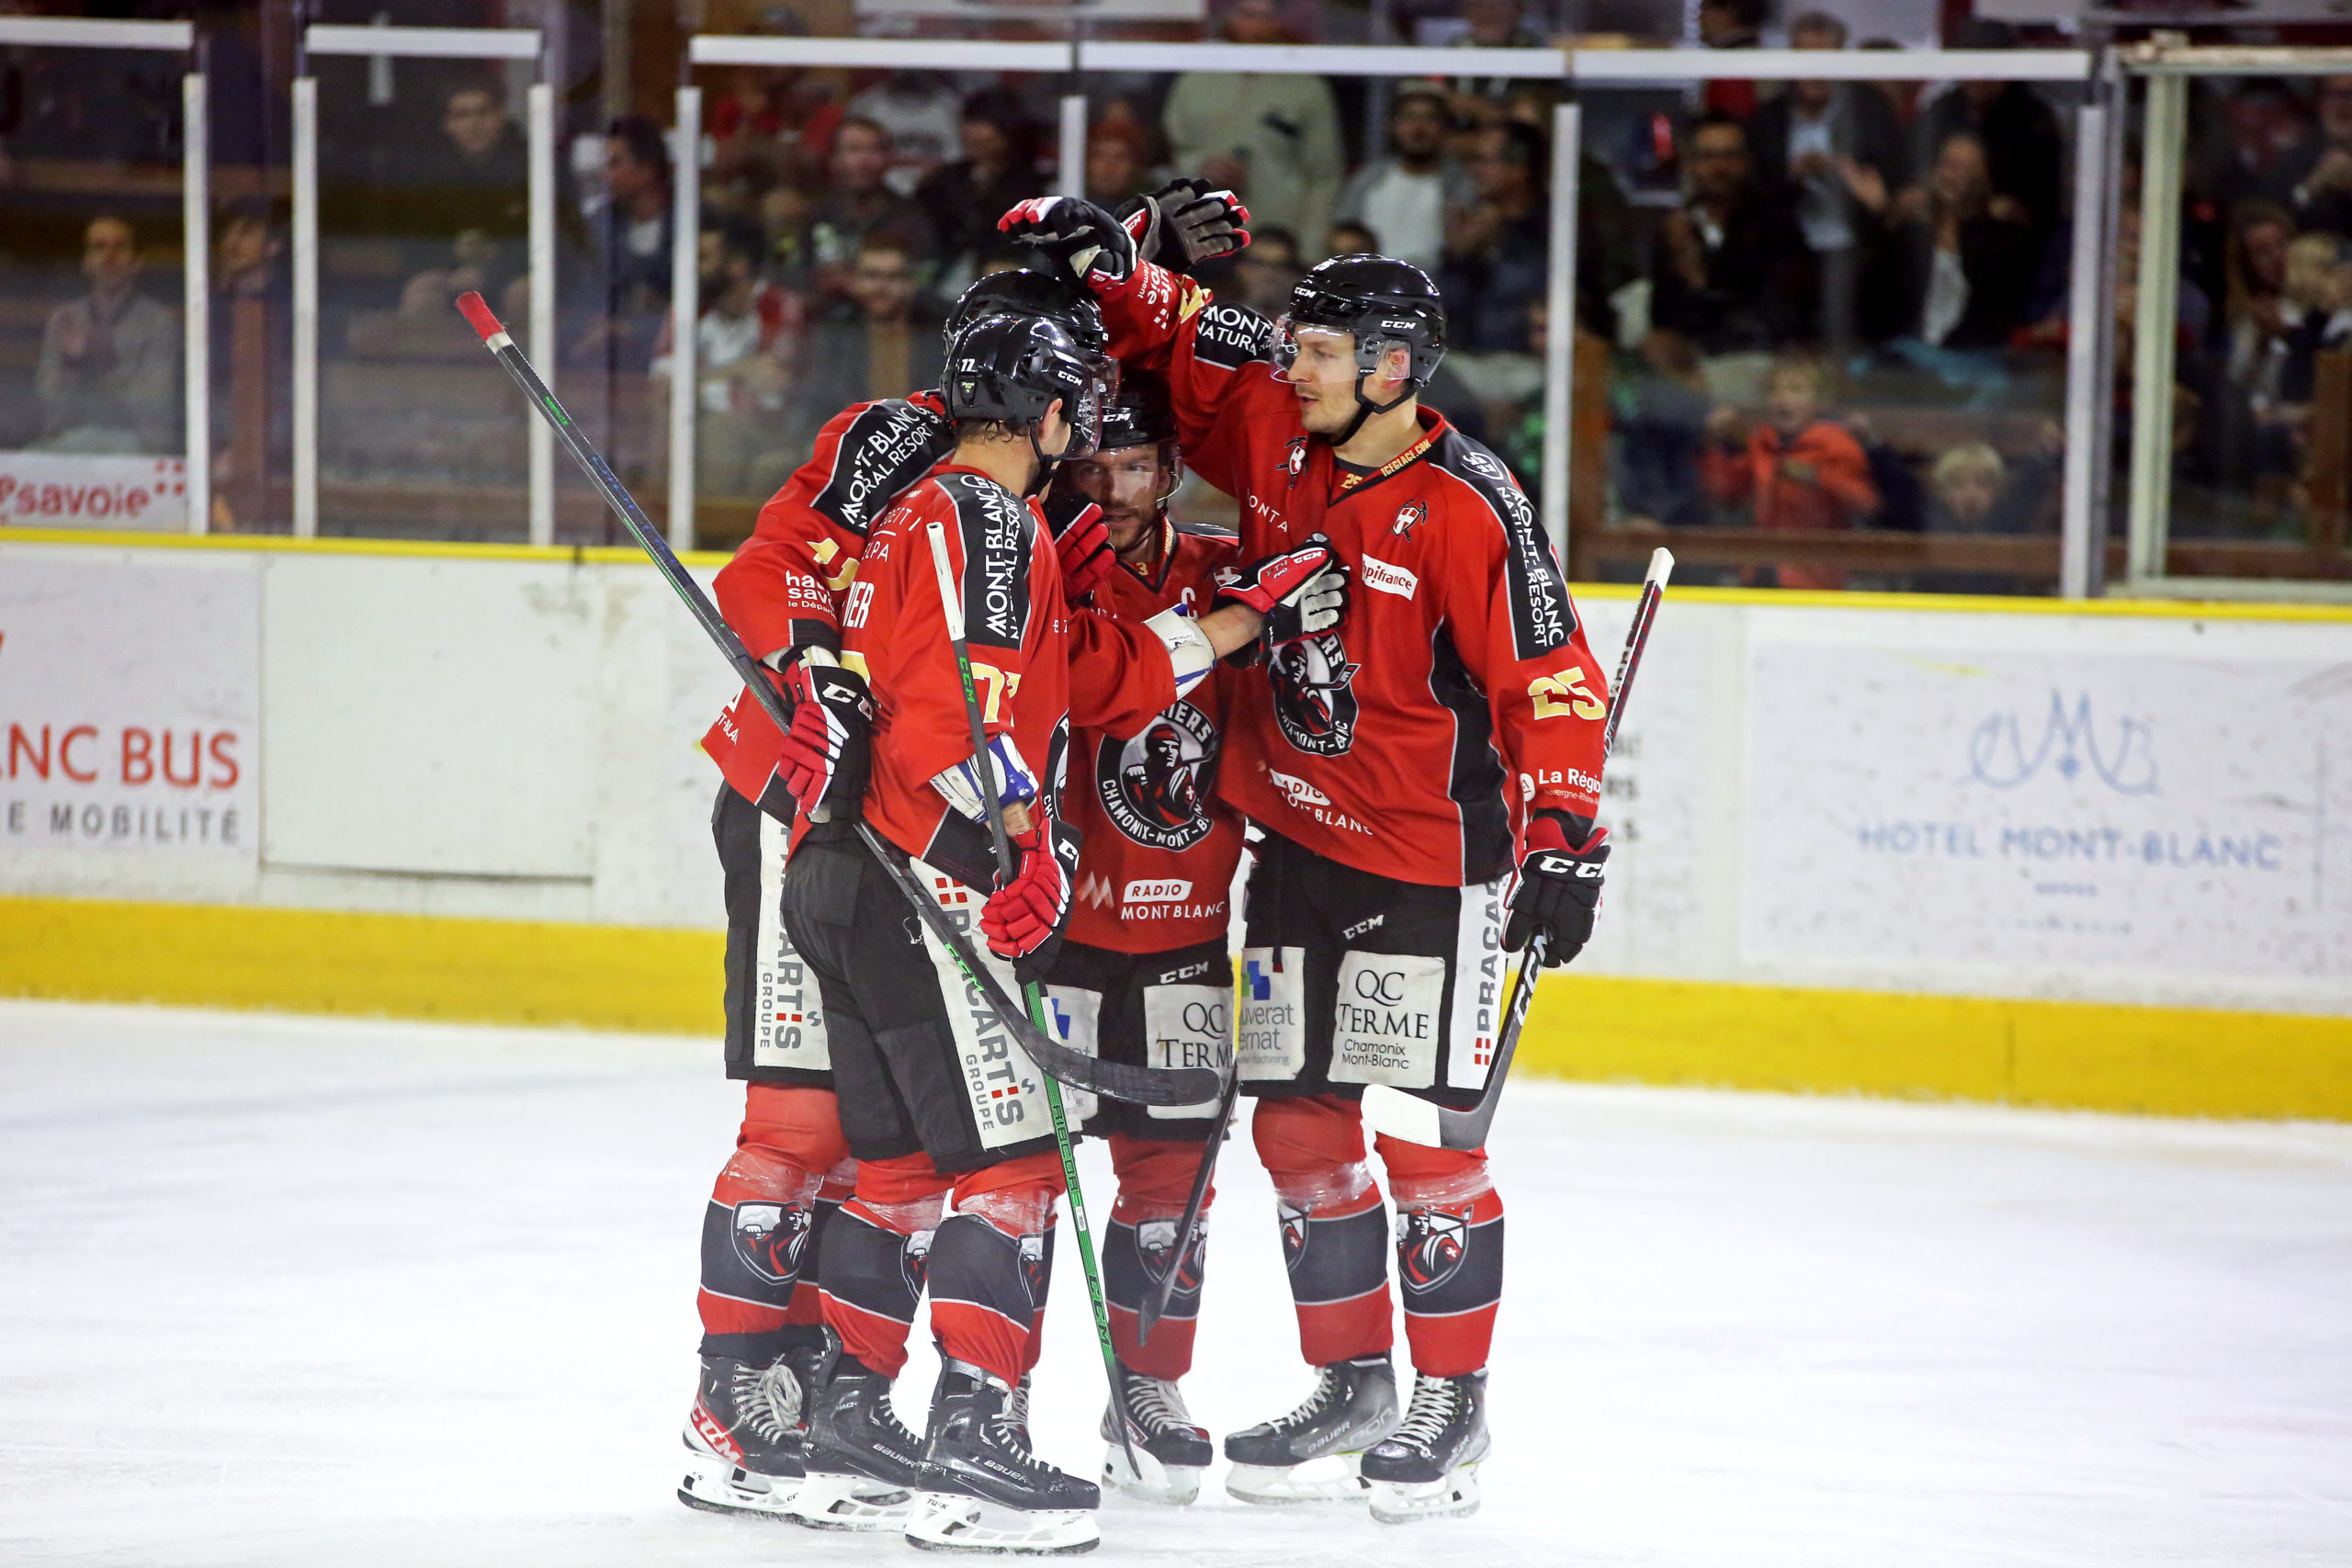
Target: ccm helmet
{"points": [[1037, 296], [1140, 415], [1382, 302], [1012, 368]]}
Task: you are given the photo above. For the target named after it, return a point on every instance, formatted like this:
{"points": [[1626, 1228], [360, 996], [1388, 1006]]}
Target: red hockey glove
{"points": [[1185, 223], [1081, 543], [1022, 918], [827, 751], [1075, 233], [1559, 887], [1301, 592]]}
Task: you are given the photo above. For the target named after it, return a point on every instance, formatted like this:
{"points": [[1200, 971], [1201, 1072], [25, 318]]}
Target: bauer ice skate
{"points": [[743, 1450], [1170, 1450], [1429, 1468], [982, 1489], [1312, 1455], [861, 1460]]}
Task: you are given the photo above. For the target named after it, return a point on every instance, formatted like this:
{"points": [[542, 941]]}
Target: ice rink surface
{"points": [[288, 1291]]}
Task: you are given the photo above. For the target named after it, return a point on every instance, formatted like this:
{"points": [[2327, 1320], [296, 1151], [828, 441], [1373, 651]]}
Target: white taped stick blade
{"points": [[1661, 566], [1402, 1115]]}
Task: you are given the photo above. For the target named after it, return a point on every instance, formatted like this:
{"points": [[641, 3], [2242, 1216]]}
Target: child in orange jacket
{"points": [[1800, 470]]}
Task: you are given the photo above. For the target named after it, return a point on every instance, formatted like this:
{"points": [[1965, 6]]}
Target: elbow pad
{"points": [[960, 785], [1188, 647]]}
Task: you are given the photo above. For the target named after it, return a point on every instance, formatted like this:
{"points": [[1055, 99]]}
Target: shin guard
{"points": [[989, 1266], [1334, 1230], [1139, 1246], [872, 1274], [758, 1233], [1449, 1262]]}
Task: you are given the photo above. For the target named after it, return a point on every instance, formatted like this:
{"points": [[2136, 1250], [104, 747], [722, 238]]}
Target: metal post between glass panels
{"points": [[306, 306], [1070, 173], [2083, 534], [541, 233], [1560, 324], [2161, 155], [196, 228], [685, 286]]}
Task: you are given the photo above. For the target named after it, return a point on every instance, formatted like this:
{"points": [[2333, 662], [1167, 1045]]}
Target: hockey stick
{"points": [[984, 779], [1405, 1115], [1155, 1305], [1139, 1086]]}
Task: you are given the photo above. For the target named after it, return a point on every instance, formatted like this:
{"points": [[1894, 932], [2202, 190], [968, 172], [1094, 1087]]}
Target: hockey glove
{"points": [[827, 751], [1075, 233], [1081, 543], [1024, 916], [1185, 223], [1559, 887], [1301, 592]]}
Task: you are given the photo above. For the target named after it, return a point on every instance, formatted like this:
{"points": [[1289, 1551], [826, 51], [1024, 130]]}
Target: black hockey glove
{"points": [[1185, 223], [1559, 887], [1082, 543], [1075, 233], [827, 751]]}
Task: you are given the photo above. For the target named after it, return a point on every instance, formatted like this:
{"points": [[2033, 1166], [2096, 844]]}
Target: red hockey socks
{"points": [[872, 1271], [1155, 1182], [1335, 1232], [989, 1264], [1449, 1254], [761, 1227]]}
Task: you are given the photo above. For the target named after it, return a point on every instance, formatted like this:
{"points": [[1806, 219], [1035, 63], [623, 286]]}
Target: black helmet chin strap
{"points": [[1366, 408]]}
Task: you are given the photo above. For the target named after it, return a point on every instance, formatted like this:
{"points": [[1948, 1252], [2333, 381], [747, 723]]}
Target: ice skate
{"points": [[861, 1460], [982, 1491], [1429, 1469], [1312, 1455], [1170, 1450], [742, 1438]]}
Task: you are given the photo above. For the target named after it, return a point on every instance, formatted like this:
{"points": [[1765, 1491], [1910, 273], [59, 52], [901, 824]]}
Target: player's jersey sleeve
{"points": [[1119, 674], [783, 587], [1520, 638], [1213, 357]]}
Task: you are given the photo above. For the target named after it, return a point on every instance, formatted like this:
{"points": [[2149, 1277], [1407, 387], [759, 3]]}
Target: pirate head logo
{"points": [[1155, 1247], [1314, 702], [1293, 1223], [1409, 517], [1294, 459], [770, 1239], [1155, 787], [1035, 1258], [1430, 1246], [914, 1262]]}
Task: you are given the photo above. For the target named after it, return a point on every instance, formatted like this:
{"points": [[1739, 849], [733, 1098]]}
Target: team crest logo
{"points": [[1155, 787], [1430, 1246], [1409, 517], [1293, 1223], [1294, 459], [1155, 1247], [914, 1261], [770, 1239], [1032, 1269], [1315, 701]]}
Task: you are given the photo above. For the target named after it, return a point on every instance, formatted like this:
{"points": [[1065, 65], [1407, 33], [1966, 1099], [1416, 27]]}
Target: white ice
{"points": [[285, 1292]]}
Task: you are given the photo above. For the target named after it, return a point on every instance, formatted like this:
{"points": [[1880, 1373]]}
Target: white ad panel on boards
{"points": [[2124, 811], [130, 707], [77, 490]]}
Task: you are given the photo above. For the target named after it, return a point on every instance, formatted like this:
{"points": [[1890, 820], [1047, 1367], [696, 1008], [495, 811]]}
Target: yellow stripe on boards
{"points": [[2166, 1061]]}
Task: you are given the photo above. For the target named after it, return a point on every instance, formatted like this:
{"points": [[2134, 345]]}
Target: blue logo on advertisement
{"points": [[1062, 1019], [2070, 743], [1262, 984]]}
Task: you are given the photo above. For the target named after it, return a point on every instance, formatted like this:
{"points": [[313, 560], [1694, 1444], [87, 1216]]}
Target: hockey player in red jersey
{"points": [[1404, 766], [1144, 975]]}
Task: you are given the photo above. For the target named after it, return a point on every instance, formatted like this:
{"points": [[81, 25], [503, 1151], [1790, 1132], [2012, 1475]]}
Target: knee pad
{"points": [[805, 1123], [1313, 1147], [1155, 1176]]}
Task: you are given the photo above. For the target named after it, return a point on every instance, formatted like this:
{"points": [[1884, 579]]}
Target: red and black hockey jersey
{"points": [[1460, 690], [1155, 871], [894, 632], [787, 585]]}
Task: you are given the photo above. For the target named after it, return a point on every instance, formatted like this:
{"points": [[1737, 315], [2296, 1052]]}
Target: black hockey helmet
{"points": [[1382, 302], [1037, 296], [1140, 415], [1012, 368]]}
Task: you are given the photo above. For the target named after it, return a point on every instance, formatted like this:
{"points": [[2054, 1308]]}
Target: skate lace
{"points": [[1435, 1402], [1327, 1389], [767, 1400], [1157, 1405]]}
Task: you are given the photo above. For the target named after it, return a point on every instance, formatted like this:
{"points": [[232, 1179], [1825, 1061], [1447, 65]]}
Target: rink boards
{"points": [[1983, 849]]}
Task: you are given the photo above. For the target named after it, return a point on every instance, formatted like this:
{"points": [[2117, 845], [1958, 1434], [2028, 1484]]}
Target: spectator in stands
{"points": [[745, 340], [1797, 468], [964, 198], [1731, 272], [1406, 196], [1731, 24], [1495, 24], [252, 332], [1952, 274], [922, 122], [1275, 140], [475, 199], [1811, 137], [2025, 156], [1496, 250], [2255, 288], [856, 205], [1352, 239], [1971, 490], [108, 376], [1658, 415], [874, 341], [631, 222], [1118, 162], [2315, 181], [1264, 273]]}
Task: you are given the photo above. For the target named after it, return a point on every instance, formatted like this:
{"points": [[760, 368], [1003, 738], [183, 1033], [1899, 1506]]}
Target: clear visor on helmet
{"points": [[1308, 355], [1084, 409]]}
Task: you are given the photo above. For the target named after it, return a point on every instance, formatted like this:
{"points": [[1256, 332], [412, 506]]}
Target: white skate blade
{"points": [[951, 1523], [717, 1485], [1403, 1503], [831, 1501], [1331, 1479], [1173, 1484]]}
